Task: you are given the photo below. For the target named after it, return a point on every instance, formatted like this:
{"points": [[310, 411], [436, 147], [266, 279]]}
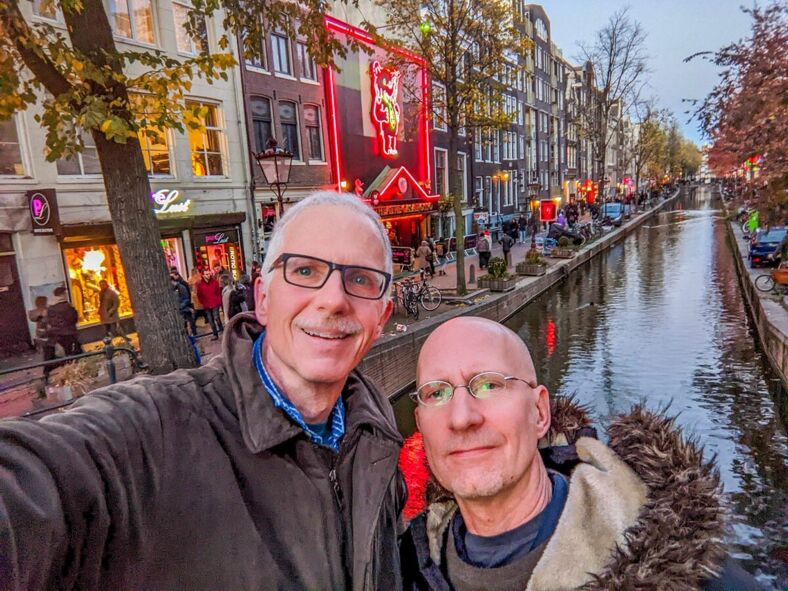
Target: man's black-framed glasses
{"points": [[487, 384], [312, 273]]}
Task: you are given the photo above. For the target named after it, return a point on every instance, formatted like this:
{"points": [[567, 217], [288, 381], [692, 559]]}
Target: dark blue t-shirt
{"points": [[505, 548]]}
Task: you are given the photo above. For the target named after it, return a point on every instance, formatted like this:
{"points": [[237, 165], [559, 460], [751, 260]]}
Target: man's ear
{"points": [[543, 419], [384, 317], [260, 302]]}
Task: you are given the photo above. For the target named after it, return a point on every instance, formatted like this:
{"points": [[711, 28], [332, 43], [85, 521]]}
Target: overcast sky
{"points": [[676, 29]]}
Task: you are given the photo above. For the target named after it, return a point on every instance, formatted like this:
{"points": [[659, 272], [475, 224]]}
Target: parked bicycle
{"points": [[769, 281], [412, 295]]}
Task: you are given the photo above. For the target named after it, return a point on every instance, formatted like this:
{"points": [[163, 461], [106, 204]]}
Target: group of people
{"points": [[213, 294], [276, 465], [431, 256]]}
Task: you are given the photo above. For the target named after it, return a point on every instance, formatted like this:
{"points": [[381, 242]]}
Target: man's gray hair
{"points": [[333, 198]]}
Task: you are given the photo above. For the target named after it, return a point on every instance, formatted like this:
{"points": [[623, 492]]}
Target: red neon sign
{"points": [[547, 210], [385, 109]]}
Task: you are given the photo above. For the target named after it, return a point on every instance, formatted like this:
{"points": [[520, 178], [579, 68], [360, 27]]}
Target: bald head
{"points": [[469, 345]]}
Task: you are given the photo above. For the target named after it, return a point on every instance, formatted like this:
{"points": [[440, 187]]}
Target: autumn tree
{"points": [[469, 47], [746, 113], [618, 62], [84, 83], [648, 141]]}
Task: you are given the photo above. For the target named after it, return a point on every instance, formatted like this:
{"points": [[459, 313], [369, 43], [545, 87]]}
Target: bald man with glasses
{"points": [[524, 496], [273, 467]]}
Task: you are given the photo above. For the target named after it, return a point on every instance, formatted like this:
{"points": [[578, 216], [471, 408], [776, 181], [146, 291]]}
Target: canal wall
{"points": [[392, 360], [769, 315]]}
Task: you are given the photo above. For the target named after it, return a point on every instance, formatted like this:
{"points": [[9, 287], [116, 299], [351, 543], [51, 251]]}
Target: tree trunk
{"points": [[455, 187], [163, 338]]}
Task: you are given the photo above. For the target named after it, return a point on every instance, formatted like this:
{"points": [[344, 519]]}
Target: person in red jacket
{"points": [[209, 292]]}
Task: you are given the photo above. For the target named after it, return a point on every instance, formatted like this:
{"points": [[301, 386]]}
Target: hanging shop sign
{"points": [[402, 255], [44, 214], [404, 208], [217, 238], [385, 108], [169, 201]]}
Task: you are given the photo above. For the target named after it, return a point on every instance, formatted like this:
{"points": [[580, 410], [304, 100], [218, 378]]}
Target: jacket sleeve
{"points": [[77, 489]]}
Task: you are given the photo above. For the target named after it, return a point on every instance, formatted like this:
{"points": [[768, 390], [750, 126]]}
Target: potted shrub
{"points": [[564, 250], [71, 380], [497, 278], [532, 265]]}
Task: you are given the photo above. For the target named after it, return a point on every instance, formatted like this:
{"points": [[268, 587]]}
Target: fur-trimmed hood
{"points": [[643, 512]]}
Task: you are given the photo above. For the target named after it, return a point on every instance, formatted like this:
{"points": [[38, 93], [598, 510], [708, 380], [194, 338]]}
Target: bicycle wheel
{"points": [[430, 298], [580, 240], [411, 305], [764, 282]]}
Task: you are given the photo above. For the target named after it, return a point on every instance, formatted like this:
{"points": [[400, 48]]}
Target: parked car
{"points": [[765, 247], [612, 213]]}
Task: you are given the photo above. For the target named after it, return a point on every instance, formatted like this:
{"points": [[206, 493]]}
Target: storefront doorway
{"points": [[405, 231], [14, 333], [219, 248]]}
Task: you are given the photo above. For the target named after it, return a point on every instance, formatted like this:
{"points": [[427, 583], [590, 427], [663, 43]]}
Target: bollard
{"points": [[472, 275], [109, 353]]}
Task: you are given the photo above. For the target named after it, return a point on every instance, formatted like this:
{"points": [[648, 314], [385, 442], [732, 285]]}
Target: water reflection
{"points": [[659, 318]]}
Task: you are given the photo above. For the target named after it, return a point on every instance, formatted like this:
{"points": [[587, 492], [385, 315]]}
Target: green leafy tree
{"points": [[84, 83], [469, 47], [648, 141]]}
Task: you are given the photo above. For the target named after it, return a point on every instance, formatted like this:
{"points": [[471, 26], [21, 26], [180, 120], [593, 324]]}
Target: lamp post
{"points": [[275, 163]]}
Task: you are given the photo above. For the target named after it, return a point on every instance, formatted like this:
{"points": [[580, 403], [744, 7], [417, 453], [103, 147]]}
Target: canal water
{"points": [[660, 319]]}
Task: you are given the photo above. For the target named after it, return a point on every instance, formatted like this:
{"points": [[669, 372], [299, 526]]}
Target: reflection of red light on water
{"points": [[550, 336], [413, 463]]}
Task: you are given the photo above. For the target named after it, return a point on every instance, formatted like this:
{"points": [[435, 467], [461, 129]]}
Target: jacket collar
{"points": [[264, 426]]}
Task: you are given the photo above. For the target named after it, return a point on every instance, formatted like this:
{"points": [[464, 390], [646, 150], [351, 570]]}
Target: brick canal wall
{"points": [[768, 314], [392, 360]]}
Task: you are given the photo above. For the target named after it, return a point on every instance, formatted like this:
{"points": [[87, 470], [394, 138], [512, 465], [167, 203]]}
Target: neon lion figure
{"points": [[385, 110]]}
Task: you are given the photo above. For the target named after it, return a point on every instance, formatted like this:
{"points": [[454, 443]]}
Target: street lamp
{"points": [[275, 163]]}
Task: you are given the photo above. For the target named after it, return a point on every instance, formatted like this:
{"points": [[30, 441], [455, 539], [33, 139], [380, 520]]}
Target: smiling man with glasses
{"points": [[272, 467], [525, 498]]}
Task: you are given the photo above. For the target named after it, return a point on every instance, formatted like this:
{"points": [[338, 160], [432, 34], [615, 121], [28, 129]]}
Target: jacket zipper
{"points": [[339, 498]]}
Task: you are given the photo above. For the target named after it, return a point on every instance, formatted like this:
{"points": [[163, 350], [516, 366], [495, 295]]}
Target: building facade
{"points": [[199, 183]]}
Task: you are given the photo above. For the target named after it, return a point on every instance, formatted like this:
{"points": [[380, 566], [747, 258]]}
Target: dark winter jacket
{"points": [[182, 296], [642, 513], [62, 320], [196, 481]]}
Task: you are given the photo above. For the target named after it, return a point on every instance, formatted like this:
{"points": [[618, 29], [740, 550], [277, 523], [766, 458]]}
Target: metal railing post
{"points": [[109, 352]]}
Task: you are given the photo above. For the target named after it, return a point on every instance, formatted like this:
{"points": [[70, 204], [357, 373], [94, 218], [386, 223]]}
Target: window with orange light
{"points": [[87, 266]]}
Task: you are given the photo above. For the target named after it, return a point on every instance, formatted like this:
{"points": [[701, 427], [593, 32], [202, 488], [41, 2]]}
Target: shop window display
{"points": [[87, 266], [173, 254], [220, 249]]}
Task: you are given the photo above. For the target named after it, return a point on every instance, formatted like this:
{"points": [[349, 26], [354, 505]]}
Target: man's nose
{"points": [[333, 295], [463, 410]]}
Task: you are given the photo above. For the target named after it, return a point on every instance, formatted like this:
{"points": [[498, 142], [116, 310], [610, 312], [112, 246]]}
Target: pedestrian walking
{"points": [[483, 248], [255, 272], [248, 284], [43, 342], [209, 292], [184, 300], [62, 321], [440, 254], [109, 305], [194, 280], [522, 228], [233, 301], [506, 243], [423, 256]]}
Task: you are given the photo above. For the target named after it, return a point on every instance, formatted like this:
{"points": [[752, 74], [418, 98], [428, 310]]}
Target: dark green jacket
{"points": [[194, 480]]}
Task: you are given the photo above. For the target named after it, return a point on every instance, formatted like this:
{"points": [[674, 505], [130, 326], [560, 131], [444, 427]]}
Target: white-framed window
{"points": [[133, 19], [258, 59], [488, 147], [479, 189], [47, 10], [186, 43], [496, 146], [488, 191], [83, 163], [314, 132], [208, 146], [12, 163], [441, 171], [156, 151], [541, 29], [280, 50], [439, 106], [262, 122], [288, 121], [461, 128], [307, 64], [462, 167]]}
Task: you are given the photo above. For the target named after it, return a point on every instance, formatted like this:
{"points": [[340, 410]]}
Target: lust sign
{"points": [[385, 108], [169, 201], [44, 215]]}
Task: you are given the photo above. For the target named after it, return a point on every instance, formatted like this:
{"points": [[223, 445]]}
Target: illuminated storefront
{"points": [[219, 250], [378, 105]]}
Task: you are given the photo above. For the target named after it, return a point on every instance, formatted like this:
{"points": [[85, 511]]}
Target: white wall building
{"points": [[208, 171]]}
